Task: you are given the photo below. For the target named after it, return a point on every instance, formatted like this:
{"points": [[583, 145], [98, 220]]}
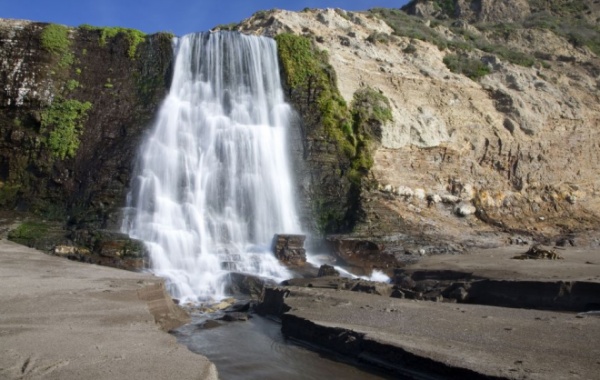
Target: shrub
{"points": [[472, 68], [377, 37]]}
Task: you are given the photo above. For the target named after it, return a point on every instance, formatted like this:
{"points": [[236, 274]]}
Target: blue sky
{"points": [[176, 16]]}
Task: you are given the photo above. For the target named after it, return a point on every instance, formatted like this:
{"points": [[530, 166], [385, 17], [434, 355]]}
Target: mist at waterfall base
{"points": [[212, 182]]}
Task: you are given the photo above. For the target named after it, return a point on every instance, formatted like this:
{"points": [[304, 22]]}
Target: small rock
{"points": [[234, 317], [404, 191], [419, 194], [451, 199], [464, 209], [210, 324], [327, 270], [460, 294]]}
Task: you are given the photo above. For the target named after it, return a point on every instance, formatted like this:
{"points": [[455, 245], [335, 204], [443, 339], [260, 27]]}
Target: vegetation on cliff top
{"points": [[134, 37], [55, 39], [564, 18]]}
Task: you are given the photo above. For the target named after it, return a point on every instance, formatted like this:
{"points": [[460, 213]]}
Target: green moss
{"points": [[134, 37], [370, 104], [370, 109], [28, 231], [8, 194], [312, 83], [307, 69], [62, 123], [72, 84], [55, 39]]}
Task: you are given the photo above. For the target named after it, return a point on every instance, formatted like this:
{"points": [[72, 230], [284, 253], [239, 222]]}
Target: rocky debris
{"points": [[289, 249], [518, 240], [465, 209], [361, 252], [537, 252], [327, 270], [244, 284], [106, 248], [471, 11]]}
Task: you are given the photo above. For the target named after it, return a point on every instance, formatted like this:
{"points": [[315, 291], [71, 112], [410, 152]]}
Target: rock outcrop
{"points": [[464, 160], [73, 107], [463, 126], [121, 79]]}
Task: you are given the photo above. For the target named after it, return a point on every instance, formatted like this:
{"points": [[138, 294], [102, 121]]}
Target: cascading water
{"points": [[213, 184]]}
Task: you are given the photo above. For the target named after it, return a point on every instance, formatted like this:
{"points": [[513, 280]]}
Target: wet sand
{"points": [[65, 320]]}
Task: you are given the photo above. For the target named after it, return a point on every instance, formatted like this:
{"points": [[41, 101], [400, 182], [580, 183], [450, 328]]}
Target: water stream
{"points": [[213, 184], [256, 350]]}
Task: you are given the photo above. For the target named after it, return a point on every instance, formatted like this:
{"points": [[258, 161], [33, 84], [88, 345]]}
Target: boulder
{"points": [[327, 270], [289, 249]]}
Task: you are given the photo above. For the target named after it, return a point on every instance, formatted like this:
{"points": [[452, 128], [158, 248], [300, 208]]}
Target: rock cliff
{"points": [[73, 107], [445, 125], [494, 118]]}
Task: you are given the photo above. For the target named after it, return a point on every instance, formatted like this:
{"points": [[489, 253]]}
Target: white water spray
{"points": [[212, 182]]}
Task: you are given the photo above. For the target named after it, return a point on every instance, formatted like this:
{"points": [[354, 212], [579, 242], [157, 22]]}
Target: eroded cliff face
{"points": [[466, 161], [492, 136], [73, 106]]}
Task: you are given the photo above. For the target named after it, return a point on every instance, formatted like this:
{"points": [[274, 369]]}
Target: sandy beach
{"points": [[66, 320]]}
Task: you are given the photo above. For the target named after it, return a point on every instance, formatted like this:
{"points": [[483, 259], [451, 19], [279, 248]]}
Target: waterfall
{"points": [[212, 183]]}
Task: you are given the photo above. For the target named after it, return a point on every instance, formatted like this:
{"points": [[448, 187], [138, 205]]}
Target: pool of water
{"points": [[256, 349]]}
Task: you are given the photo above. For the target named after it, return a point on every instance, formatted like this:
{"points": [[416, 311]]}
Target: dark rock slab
{"points": [[427, 340]]}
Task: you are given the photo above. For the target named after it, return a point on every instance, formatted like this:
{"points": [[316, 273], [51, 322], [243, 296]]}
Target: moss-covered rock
{"points": [[330, 144], [67, 141], [339, 138]]}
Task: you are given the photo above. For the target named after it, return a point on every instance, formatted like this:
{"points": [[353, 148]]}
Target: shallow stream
{"points": [[256, 349]]}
